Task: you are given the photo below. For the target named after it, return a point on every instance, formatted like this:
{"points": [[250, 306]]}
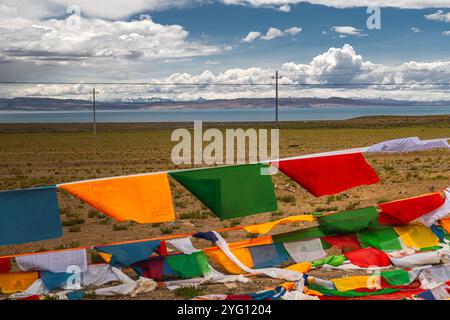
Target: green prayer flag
{"points": [[233, 191], [349, 221], [382, 239], [398, 277], [351, 293], [298, 235], [334, 261], [189, 265]]}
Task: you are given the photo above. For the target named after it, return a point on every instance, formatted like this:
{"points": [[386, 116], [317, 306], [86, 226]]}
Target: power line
{"points": [[220, 84]]}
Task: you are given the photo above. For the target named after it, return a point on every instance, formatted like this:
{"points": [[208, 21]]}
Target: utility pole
{"points": [[277, 77], [93, 109]]}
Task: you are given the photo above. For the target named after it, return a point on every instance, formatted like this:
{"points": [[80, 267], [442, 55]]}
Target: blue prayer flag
{"points": [[129, 253], [29, 215]]}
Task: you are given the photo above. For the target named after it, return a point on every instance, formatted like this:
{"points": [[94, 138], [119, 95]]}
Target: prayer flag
{"points": [[17, 281], [345, 243], [29, 215], [368, 257], [417, 236], [5, 264], [189, 265], [349, 221], [129, 253], [384, 239], [233, 191], [308, 250], [271, 255], [406, 210], [144, 198], [328, 175], [56, 262]]}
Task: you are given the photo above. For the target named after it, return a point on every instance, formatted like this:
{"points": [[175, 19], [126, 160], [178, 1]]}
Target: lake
{"points": [[218, 115]]}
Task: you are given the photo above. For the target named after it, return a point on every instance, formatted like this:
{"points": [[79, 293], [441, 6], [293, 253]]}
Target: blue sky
{"points": [[202, 41]]}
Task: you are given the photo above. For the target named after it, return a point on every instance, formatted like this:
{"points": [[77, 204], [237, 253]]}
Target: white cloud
{"points": [[408, 81], [292, 31], [285, 8], [438, 16], [272, 33], [446, 33], [251, 36], [405, 4], [109, 9], [94, 41], [415, 30], [347, 30]]}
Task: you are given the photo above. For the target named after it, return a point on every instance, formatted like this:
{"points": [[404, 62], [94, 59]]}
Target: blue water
{"points": [[219, 115]]}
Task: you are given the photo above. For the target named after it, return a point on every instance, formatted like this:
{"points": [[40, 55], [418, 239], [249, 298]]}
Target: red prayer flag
{"points": [[328, 175], [4, 265], [406, 210], [368, 257], [345, 243]]}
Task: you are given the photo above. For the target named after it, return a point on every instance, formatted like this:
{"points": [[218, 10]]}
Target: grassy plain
{"points": [[37, 154]]}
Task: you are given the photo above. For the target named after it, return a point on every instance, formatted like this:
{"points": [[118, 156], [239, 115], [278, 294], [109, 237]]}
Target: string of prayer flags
{"points": [[328, 175], [368, 257], [29, 215], [242, 254], [406, 210], [233, 191], [129, 253], [349, 221], [56, 262], [143, 199]]}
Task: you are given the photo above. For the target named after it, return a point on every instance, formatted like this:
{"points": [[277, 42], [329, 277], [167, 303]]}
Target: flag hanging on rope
{"points": [[368, 257], [29, 215], [129, 253], [144, 199], [233, 191], [406, 210], [329, 175], [349, 221]]}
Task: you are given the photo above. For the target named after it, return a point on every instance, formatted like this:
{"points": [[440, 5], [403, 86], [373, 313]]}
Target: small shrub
{"points": [[119, 227], [75, 228]]}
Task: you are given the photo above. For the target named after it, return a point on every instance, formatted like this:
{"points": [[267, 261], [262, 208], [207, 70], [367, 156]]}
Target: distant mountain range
{"points": [[47, 104]]}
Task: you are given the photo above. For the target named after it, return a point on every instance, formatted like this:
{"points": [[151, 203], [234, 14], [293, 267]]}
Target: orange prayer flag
{"points": [[445, 223], [144, 199], [17, 281], [302, 267]]}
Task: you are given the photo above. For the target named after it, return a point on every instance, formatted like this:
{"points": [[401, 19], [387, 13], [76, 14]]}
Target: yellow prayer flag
{"points": [[12, 282], [357, 282], [264, 228], [242, 254], [302, 267], [417, 236]]}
